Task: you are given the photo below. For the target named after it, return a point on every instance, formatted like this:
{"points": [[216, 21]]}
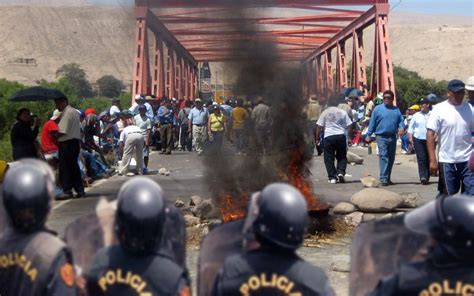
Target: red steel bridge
{"points": [[312, 32]]}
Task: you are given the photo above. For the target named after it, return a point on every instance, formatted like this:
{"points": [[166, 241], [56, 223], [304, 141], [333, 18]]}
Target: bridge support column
{"points": [[329, 81], [141, 65], [341, 72], [359, 76], [171, 74], [158, 69]]}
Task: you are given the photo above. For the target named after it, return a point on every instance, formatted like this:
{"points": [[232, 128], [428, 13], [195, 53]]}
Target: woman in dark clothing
{"points": [[23, 136]]}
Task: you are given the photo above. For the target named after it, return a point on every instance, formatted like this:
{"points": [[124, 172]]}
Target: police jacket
{"points": [[267, 272], [116, 272], [35, 264], [441, 274]]}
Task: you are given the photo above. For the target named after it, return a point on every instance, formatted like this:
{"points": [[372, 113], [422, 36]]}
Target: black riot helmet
{"points": [[281, 216], [27, 194], [140, 216], [449, 220]]}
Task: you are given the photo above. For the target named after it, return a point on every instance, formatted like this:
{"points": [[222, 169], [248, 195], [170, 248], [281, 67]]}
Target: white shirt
{"points": [[454, 125], [69, 125], [131, 129], [144, 125], [114, 109], [417, 125], [335, 121], [149, 110]]}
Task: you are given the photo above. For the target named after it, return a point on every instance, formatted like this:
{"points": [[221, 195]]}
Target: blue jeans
{"points": [[455, 176], [387, 148], [405, 142], [95, 166]]}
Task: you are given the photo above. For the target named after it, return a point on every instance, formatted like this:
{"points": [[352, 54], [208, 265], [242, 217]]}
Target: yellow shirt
{"points": [[239, 115], [217, 122]]}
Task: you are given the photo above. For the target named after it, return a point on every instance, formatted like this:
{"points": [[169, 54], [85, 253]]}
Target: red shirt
{"points": [[48, 143]]}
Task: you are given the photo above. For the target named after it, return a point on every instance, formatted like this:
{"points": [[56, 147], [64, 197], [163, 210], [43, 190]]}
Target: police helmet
{"points": [[28, 191], [281, 216], [140, 216], [448, 220]]}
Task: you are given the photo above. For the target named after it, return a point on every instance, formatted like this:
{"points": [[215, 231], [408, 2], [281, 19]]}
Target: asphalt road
{"points": [[186, 179]]}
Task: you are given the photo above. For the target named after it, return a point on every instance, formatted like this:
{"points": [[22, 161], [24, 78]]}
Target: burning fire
{"points": [[297, 179], [234, 208]]}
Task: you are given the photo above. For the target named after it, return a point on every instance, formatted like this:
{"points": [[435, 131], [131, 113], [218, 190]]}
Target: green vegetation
{"points": [[44, 110], [109, 86], [77, 79]]}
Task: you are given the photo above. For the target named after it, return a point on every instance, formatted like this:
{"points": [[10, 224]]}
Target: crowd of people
{"points": [[87, 145], [440, 134]]}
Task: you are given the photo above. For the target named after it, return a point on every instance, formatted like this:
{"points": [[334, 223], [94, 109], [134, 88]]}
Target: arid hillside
{"points": [[36, 40]]}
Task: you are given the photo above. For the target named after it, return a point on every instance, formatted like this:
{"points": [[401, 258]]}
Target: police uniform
{"points": [[270, 272], [441, 274], [35, 263], [116, 272], [449, 268]]}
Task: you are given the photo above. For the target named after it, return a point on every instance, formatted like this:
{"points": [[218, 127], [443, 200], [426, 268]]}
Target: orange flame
{"points": [[297, 179], [233, 208]]}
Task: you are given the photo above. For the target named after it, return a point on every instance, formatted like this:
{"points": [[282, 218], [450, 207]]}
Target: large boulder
{"points": [[376, 200], [343, 208], [410, 199], [354, 158], [370, 182]]}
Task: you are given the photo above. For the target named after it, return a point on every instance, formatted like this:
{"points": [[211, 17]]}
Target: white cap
{"points": [[138, 97], [56, 114], [470, 83]]}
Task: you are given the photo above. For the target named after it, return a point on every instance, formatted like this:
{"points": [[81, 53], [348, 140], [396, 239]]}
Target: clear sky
{"points": [[453, 7]]}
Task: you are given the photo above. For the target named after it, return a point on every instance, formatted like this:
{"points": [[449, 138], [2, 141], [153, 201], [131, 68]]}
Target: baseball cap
{"points": [[198, 100], [138, 97], [142, 107], [456, 85], [470, 83], [415, 107], [56, 114], [425, 101]]}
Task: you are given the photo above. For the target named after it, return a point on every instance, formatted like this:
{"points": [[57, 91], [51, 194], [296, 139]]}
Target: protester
{"points": [[49, 135], [185, 139], [407, 146], [69, 148], [417, 137], [115, 108], [217, 126], [452, 122], [166, 120], [337, 125], [140, 100], [144, 123], [262, 123], [198, 118], [131, 140], [23, 135], [239, 118], [385, 121]]}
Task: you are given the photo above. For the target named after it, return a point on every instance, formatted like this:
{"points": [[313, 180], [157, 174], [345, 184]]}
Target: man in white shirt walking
{"points": [[336, 124], [452, 120], [131, 139], [417, 138]]}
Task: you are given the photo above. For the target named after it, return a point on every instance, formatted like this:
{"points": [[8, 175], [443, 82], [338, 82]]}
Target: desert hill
{"points": [[36, 40]]}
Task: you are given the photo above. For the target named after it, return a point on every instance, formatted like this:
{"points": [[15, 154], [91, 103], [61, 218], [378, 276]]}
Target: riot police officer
{"points": [[449, 267], [135, 266], [33, 261], [278, 218]]}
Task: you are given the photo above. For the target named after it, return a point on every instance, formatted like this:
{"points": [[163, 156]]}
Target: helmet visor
{"points": [[423, 219]]}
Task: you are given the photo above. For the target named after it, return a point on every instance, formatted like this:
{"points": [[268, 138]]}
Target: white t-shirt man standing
{"points": [[452, 120]]}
